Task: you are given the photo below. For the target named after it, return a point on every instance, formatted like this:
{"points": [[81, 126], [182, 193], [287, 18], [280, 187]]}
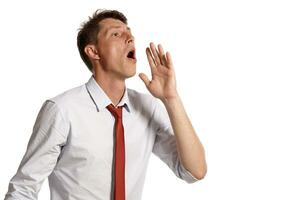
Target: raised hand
{"points": [[163, 83]]}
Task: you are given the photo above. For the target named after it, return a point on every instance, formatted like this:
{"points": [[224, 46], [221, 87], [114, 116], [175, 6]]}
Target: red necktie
{"points": [[119, 189]]}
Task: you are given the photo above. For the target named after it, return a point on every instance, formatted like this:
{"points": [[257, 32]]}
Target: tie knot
{"points": [[116, 111]]}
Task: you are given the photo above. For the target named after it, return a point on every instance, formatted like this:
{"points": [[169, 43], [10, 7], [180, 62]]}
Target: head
{"points": [[106, 44]]}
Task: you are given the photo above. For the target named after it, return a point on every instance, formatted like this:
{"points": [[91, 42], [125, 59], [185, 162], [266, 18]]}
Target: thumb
{"points": [[145, 79]]}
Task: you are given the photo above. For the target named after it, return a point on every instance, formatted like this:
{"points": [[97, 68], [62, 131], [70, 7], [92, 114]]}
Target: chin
{"points": [[130, 71], [131, 74]]}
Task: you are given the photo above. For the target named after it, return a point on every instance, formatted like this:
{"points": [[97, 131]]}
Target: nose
{"points": [[130, 38]]}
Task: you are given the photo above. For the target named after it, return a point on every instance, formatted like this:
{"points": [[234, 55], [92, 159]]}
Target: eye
{"points": [[116, 34]]}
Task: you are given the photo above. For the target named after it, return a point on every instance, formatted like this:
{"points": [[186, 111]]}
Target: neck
{"points": [[114, 88]]}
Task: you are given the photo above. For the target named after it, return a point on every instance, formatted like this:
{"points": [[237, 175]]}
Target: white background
{"points": [[237, 66]]}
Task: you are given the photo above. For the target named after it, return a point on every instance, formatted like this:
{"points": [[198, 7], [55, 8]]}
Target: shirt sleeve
{"points": [[43, 149], [165, 144]]}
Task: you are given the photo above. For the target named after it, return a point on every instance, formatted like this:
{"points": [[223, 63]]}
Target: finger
{"points": [[169, 59], [161, 54], [145, 79], [150, 60], [155, 54]]}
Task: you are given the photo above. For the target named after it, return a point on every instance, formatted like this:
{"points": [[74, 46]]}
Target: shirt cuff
{"points": [[186, 175]]}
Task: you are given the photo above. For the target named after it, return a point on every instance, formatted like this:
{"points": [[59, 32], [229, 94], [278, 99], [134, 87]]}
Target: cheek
{"points": [[111, 54], [115, 52]]}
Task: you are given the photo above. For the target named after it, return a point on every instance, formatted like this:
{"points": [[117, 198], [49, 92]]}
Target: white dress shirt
{"points": [[72, 144]]}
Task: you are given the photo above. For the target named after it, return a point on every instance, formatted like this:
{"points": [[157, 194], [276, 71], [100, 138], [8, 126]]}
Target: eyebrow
{"points": [[113, 27]]}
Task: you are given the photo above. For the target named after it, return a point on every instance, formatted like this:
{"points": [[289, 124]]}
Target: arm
{"points": [[163, 87], [165, 145], [191, 151], [43, 150]]}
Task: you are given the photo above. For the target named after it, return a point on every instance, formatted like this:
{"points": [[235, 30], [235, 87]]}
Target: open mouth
{"points": [[131, 54]]}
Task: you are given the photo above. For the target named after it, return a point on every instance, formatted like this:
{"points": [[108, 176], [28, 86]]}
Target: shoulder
{"points": [[145, 102], [152, 109], [67, 100], [141, 102], [66, 97], [140, 97]]}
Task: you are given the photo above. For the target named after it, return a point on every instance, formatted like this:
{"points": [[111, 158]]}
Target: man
{"points": [[93, 141]]}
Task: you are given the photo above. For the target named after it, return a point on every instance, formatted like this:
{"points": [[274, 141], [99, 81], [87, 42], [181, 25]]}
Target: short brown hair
{"points": [[89, 30]]}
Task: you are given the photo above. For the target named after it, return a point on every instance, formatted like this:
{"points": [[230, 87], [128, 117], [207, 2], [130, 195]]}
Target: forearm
{"points": [[190, 150]]}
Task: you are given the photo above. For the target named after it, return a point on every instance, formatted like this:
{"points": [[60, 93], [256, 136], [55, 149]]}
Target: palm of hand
{"points": [[163, 83]]}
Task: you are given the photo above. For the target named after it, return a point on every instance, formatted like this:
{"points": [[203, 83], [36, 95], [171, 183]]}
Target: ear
{"points": [[91, 52]]}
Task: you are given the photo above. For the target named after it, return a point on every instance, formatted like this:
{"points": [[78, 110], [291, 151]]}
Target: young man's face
{"points": [[116, 48]]}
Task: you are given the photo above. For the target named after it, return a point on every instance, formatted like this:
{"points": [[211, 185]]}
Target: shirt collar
{"points": [[99, 97]]}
